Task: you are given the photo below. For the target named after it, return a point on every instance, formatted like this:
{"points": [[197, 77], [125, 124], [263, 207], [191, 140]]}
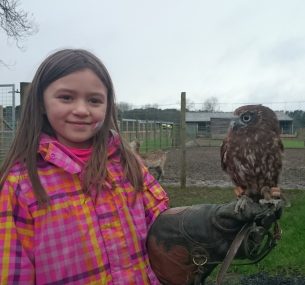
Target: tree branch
{"points": [[16, 23]]}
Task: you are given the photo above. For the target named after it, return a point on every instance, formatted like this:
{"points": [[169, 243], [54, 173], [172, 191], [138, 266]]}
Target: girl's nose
{"points": [[81, 109]]}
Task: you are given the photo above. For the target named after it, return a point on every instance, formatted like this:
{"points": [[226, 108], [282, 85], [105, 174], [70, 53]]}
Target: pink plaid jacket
{"points": [[78, 239]]}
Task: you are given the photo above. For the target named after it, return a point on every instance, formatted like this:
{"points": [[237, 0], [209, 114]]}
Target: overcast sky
{"points": [[239, 51]]}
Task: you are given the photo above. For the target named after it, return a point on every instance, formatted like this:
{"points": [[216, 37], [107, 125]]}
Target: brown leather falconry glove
{"points": [[186, 243]]}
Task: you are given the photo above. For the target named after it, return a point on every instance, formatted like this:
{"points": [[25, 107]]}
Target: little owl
{"points": [[251, 153]]}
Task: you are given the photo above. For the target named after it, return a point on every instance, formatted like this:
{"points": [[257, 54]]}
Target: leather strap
{"points": [[231, 253]]}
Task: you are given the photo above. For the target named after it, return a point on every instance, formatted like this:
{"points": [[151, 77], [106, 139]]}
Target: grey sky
{"points": [[239, 51]]}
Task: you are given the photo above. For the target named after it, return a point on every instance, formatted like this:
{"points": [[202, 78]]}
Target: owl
{"points": [[251, 153]]}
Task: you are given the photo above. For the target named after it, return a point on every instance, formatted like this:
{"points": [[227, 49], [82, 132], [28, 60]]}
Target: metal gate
{"points": [[7, 117]]}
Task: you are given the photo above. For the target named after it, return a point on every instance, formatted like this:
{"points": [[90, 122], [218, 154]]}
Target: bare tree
{"points": [[210, 104], [190, 105], [124, 106], [15, 22]]}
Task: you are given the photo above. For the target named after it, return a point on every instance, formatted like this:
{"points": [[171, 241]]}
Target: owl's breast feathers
{"points": [[252, 159]]}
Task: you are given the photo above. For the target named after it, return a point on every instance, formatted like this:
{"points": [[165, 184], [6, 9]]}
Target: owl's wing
{"points": [[223, 154]]}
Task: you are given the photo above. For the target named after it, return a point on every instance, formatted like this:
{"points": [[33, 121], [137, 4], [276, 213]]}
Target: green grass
{"points": [[152, 145], [291, 143], [288, 142], [288, 257], [166, 142]]}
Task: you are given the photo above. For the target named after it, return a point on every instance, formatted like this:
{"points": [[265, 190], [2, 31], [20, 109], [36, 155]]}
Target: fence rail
{"points": [[152, 135]]}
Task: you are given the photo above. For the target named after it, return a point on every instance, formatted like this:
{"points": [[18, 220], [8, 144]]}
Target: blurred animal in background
{"points": [[154, 161], [251, 154], [135, 146]]}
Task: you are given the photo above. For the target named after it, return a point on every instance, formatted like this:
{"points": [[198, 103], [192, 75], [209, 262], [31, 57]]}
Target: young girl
{"points": [[75, 203]]}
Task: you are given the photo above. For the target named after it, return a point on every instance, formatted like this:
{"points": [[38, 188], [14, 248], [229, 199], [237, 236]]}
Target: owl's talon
{"points": [[239, 191], [241, 203], [276, 192], [278, 203]]}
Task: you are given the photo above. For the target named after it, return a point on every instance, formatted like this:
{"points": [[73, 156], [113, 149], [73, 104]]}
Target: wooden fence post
{"points": [[160, 140], [182, 141], [146, 135], [23, 89], [137, 130]]}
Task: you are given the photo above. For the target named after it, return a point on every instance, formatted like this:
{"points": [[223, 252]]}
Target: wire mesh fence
{"points": [[154, 128], [7, 117], [151, 135]]}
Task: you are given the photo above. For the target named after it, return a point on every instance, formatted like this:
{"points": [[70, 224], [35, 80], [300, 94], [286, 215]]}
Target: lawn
{"points": [[166, 142], [292, 143], [288, 257]]}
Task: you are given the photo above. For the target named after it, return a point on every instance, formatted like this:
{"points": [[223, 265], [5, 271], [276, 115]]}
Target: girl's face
{"points": [[75, 106]]}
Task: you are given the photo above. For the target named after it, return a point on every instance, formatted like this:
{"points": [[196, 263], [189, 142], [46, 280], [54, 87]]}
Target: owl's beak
{"points": [[236, 123]]}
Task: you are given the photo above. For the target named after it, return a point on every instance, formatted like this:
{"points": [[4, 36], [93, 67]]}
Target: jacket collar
{"points": [[54, 152]]}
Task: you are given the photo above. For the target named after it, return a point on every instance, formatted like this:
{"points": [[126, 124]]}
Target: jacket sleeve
{"points": [[16, 237], [155, 198]]}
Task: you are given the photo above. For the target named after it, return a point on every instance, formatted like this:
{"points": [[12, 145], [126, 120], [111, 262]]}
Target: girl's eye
{"points": [[95, 101], [65, 98]]}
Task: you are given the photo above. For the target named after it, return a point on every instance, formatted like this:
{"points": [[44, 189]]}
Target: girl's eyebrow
{"points": [[93, 93], [101, 94], [63, 89]]}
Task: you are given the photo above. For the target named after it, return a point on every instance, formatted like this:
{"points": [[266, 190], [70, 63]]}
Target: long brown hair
{"points": [[33, 122]]}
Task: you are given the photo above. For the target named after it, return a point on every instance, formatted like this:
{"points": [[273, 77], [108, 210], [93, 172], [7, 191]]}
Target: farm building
{"points": [[215, 124]]}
